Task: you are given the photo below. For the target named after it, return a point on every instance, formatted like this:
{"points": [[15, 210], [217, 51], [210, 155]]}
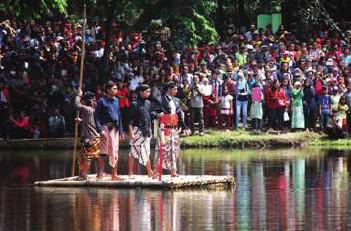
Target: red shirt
{"points": [[122, 96], [22, 122], [275, 98], [318, 86], [5, 91]]}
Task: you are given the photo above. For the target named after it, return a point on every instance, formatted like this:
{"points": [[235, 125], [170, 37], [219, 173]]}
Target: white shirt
{"points": [[172, 105], [2, 97], [134, 83]]}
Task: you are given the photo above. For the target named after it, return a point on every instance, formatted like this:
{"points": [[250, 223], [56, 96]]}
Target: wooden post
{"points": [[79, 87], [161, 157]]}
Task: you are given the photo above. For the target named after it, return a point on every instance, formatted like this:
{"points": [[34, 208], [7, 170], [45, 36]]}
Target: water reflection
{"points": [[276, 190]]}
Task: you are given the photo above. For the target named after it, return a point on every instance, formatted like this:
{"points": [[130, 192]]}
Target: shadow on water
{"points": [[304, 189]]}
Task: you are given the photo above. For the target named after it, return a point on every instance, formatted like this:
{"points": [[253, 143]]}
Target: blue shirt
{"points": [[325, 102], [108, 111]]}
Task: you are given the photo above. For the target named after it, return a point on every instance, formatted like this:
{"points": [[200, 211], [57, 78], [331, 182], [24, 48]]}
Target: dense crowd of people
{"points": [[254, 79]]}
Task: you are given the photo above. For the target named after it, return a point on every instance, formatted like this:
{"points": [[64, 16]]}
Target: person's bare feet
{"points": [[99, 176], [174, 174], [150, 174], [116, 177], [154, 175]]}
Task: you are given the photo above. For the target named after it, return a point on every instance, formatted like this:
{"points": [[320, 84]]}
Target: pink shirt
{"points": [[256, 94]]}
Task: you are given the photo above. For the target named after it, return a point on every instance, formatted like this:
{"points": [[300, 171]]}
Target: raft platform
{"points": [[142, 181]]}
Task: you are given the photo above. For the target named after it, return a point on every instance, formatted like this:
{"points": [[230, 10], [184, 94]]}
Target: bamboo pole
{"points": [[79, 88], [161, 159]]}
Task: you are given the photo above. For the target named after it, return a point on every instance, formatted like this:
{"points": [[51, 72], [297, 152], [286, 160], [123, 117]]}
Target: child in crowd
{"points": [[227, 109], [324, 102], [341, 113]]}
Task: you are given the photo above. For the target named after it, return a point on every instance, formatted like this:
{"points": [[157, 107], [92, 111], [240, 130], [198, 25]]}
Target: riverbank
{"points": [[245, 139], [220, 139]]}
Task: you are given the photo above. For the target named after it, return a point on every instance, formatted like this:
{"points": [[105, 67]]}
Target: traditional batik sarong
{"points": [[90, 149], [170, 149], [109, 144], [140, 146]]}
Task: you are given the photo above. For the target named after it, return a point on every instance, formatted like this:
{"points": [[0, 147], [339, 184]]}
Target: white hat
{"points": [[310, 69], [330, 62], [249, 47], [297, 83], [59, 38]]}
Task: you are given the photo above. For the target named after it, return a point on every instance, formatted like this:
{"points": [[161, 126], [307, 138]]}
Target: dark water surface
{"points": [[305, 189]]}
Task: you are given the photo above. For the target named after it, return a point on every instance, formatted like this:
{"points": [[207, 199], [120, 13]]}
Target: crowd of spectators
{"points": [[254, 79]]}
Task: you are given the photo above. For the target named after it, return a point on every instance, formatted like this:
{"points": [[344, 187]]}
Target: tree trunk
{"points": [[242, 14], [219, 18], [104, 68]]}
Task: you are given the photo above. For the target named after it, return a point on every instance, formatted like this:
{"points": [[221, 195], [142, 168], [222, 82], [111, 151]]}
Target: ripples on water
{"points": [[305, 189]]}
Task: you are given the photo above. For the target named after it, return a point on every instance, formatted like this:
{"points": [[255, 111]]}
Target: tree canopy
{"points": [[189, 21], [32, 8]]}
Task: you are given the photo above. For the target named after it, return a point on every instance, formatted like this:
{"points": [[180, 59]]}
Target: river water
{"points": [[289, 189]]}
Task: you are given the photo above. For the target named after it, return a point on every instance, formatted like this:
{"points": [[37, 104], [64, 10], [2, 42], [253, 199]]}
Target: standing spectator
{"points": [[341, 113], [57, 125], [210, 104], [324, 102], [347, 95], [256, 112], [196, 106], [4, 109], [20, 127], [297, 118], [241, 56], [226, 109], [309, 105], [186, 76], [277, 104], [124, 104], [242, 98], [346, 57]]}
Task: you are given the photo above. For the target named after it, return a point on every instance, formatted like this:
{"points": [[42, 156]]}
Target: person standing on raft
{"points": [[169, 114], [109, 125], [140, 130], [90, 138]]}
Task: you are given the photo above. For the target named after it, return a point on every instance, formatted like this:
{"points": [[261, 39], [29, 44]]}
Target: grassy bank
{"points": [[245, 139], [327, 143], [212, 139]]}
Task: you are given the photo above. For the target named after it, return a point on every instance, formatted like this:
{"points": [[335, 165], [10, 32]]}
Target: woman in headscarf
{"points": [[242, 99], [297, 118]]}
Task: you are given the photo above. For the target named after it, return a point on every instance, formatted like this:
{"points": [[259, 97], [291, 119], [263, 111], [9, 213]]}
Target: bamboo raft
{"points": [[142, 181]]}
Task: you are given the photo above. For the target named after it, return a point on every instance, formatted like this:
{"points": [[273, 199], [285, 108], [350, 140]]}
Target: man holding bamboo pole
{"points": [[90, 138]]}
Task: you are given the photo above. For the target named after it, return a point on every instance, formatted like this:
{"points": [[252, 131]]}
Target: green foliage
{"points": [[31, 8], [190, 23]]}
